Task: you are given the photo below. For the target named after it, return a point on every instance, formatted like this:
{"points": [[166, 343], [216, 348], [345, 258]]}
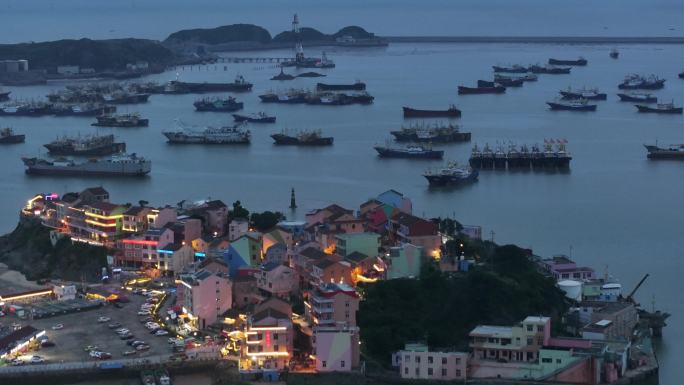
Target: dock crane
{"points": [[630, 297]]}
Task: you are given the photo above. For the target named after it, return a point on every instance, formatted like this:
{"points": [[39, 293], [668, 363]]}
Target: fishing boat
{"points": [[88, 109], [502, 82], [577, 62], [208, 135], [229, 104], [124, 97], [660, 108], [584, 93], [680, 75], [638, 82], [4, 95], [451, 112], [302, 138], [514, 69], [451, 174], [614, 54], [637, 97], [311, 75], [259, 117], [122, 120], [410, 152], [283, 76], [524, 78], [436, 133], [91, 145], [572, 105], [7, 136], [238, 85], [674, 151]]}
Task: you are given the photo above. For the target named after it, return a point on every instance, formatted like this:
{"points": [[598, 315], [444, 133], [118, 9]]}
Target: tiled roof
{"points": [[269, 313], [104, 206], [135, 210], [312, 253], [356, 257]]}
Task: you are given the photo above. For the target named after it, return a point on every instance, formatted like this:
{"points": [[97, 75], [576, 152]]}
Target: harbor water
{"points": [[615, 210]]}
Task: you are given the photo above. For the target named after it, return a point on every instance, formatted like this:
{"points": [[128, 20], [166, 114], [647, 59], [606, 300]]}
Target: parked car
{"points": [[161, 332], [126, 336], [104, 356], [16, 362], [37, 360], [138, 343], [142, 347], [58, 327], [129, 352], [114, 325], [103, 319], [47, 344], [90, 348], [144, 312]]}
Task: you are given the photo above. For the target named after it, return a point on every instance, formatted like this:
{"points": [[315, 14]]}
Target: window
{"points": [[324, 364], [275, 336], [530, 341], [458, 372], [276, 348], [430, 359], [444, 360], [529, 328], [540, 341], [546, 360], [429, 371], [407, 358], [558, 360], [417, 372], [406, 370], [540, 328], [341, 364], [444, 372], [417, 359], [458, 360]]}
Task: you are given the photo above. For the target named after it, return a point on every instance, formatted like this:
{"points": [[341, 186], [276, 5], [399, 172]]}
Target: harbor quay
{"points": [[204, 284]]}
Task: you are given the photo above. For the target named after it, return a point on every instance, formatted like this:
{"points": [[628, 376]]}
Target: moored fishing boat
{"points": [[117, 165], [179, 87], [436, 133], [572, 105], [208, 135], [121, 120], [302, 138], [495, 89], [514, 69], [584, 93], [218, 105], [660, 108], [524, 78], [451, 174], [357, 86], [638, 82], [409, 152], [95, 145], [550, 70], [260, 117], [283, 76], [576, 62], [637, 97], [674, 151], [8, 136]]}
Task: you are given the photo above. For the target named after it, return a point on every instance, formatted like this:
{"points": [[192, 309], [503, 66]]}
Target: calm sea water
{"points": [[615, 211]]}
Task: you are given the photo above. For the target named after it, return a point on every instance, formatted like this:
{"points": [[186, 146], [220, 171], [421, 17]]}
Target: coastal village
{"points": [[280, 297]]}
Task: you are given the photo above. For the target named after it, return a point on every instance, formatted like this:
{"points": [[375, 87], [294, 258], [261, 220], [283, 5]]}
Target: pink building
{"points": [[204, 296], [269, 339], [562, 267], [336, 348], [332, 304], [277, 279]]}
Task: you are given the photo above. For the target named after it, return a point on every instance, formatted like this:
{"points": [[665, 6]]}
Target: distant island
{"points": [[35, 63]]}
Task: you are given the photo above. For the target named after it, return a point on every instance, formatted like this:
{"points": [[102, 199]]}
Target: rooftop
{"points": [[313, 253], [492, 331]]}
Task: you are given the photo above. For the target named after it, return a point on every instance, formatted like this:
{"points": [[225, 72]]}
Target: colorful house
{"points": [[276, 279], [203, 296], [336, 349], [404, 261], [420, 363], [332, 304], [365, 243], [244, 252]]}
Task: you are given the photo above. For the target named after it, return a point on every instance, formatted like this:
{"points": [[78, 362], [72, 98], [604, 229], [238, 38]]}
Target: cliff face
{"points": [[98, 54], [28, 249]]}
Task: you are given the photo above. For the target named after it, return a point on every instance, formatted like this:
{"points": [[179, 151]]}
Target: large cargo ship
{"points": [[514, 69], [660, 108], [178, 87], [95, 145], [536, 69], [117, 165], [303, 138], [451, 174], [638, 82], [451, 112], [409, 152], [577, 62], [674, 151], [357, 86], [122, 120], [8, 136], [209, 135], [437, 133], [218, 104]]}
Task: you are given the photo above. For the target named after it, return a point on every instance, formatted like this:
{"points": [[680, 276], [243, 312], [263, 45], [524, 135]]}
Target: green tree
{"points": [[266, 220], [238, 211]]}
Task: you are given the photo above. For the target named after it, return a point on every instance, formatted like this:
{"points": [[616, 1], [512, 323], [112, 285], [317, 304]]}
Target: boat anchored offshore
{"points": [[117, 165], [577, 62], [674, 151], [283, 76], [122, 120], [638, 82], [525, 78], [436, 133], [572, 105], [208, 135], [7, 136], [584, 93], [514, 69], [550, 70], [303, 138], [614, 54], [451, 174], [411, 151], [357, 86], [95, 145], [178, 87], [451, 112], [88, 109], [554, 156], [637, 97], [660, 108], [259, 117], [218, 104], [482, 88]]}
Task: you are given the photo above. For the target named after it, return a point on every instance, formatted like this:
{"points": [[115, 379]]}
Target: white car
{"points": [[144, 312], [37, 360], [121, 330], [161, 332], [58, 327], [103, 319]]}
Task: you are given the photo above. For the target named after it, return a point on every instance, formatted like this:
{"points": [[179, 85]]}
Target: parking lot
{"points": [[83, 329]]}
